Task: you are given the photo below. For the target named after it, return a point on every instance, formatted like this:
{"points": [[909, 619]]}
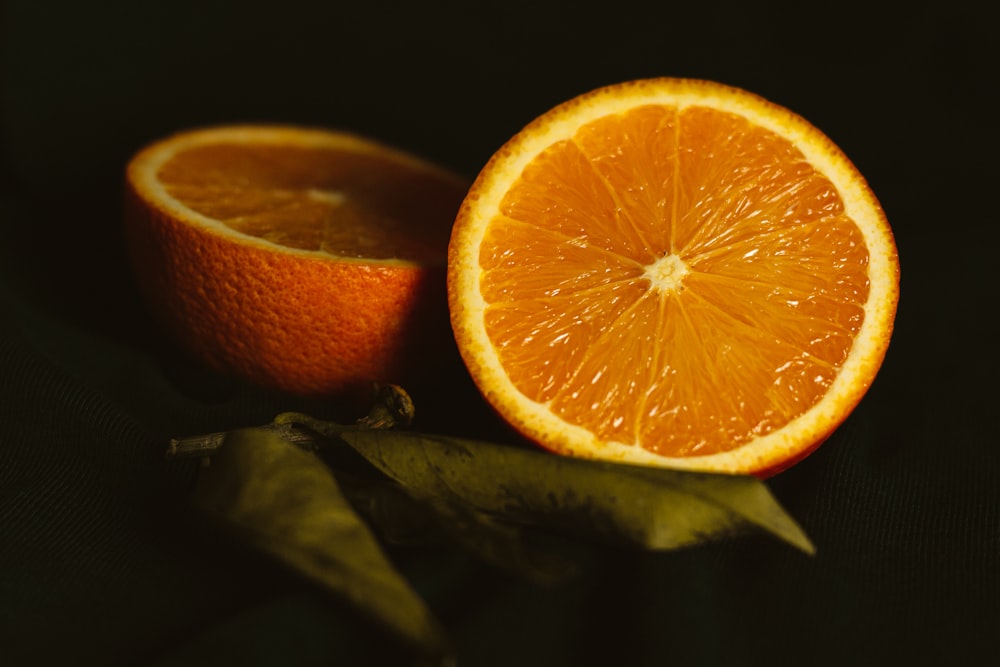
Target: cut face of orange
{"points": [[303, 260], [675, 273]]}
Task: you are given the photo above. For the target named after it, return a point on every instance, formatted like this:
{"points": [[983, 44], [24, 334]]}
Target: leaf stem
{"points": [[392, 408]]}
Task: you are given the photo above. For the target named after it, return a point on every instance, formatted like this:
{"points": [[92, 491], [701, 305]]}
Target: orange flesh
{"points": [[657, 291], [342, 203]]}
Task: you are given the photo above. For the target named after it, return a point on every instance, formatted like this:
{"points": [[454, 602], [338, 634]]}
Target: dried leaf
{"points": [[649, 507], [285, 501], [500, 543], [401, 519]]}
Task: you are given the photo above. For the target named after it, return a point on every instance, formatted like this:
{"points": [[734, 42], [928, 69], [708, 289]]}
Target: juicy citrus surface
{"points": [[309, 261], [673, 272], [332, 199]]}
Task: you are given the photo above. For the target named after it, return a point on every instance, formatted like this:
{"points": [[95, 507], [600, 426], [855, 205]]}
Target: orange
{"points": [[675, 273], [304, 260]]}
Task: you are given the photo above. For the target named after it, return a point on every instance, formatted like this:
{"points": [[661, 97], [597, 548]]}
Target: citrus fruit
{"points": [[676, 273], [304, 260]]}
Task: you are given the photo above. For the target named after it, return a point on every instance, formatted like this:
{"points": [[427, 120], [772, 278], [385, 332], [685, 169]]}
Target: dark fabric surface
{"points": [[100, 563]]}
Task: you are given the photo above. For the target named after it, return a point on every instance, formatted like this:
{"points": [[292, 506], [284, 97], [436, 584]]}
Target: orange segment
{"points": [[304, 260], [676, 273], [332, 199]]}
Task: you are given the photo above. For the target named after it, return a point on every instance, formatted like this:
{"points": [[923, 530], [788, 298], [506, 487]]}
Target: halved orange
{"points": [[676, 273], [304, 260]]}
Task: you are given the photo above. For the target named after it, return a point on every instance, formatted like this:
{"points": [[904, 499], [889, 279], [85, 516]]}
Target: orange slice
{"points": [[303, 260], [675, 273]]}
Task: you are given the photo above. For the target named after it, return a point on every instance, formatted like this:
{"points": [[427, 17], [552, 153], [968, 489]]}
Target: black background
{"points": [[903, 502]]}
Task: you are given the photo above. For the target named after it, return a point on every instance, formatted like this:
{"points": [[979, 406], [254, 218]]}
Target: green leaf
{"points": [[284, 501], [652, 508], [402, 519], [499, 543]]}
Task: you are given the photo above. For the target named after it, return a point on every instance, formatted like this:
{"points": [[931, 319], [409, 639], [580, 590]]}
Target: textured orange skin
{"points": [[309, 326], [771, 471]]}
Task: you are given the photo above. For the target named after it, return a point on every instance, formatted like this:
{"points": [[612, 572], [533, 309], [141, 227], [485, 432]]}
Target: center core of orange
{"points": [[666, 274]]}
